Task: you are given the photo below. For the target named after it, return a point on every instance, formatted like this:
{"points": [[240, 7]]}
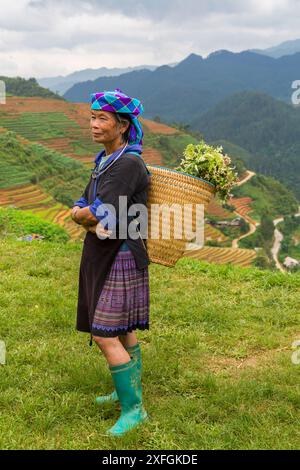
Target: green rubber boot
{"points": [[135, 353], [128, 385]]}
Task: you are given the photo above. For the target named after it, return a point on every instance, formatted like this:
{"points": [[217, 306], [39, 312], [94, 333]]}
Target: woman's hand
{"points": [[73, 213], [83, 216]]}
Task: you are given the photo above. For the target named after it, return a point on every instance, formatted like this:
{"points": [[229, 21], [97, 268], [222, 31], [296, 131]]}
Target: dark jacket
{"points": [[127, 176]]}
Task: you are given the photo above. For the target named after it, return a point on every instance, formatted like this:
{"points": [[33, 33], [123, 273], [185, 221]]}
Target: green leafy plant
{"points": [[210, 164]]}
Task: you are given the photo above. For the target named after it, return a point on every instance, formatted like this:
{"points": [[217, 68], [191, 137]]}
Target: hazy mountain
{"points": [[268, 129], [285, 48], [61, 84], [185, 92]]}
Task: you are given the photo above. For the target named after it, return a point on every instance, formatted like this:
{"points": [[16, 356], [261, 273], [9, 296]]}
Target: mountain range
{"points": [[285, 48], [188, 90], [61, 84]]}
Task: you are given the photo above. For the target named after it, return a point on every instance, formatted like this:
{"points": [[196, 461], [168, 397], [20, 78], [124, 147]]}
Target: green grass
{"points": [[197, 390], [17, 223]]}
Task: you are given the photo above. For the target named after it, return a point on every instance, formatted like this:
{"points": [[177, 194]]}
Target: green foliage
{"points": [[240, 156], [209, 163], [228, 207], [262, 239], [18, 86], [17, 223], [290, 228], [262, 260], [267, 227]]}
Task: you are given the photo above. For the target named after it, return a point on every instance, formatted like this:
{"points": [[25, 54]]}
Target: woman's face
{"points": [[105, 128]]}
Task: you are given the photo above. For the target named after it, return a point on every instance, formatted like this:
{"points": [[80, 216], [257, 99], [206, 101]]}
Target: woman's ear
{"points": [[125, 126]]}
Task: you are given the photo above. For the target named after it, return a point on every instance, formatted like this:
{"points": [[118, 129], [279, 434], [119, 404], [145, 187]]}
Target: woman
{"points": [[113, 297]]}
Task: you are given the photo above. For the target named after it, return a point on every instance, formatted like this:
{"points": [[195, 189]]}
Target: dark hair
{"points": [[124, 117]]}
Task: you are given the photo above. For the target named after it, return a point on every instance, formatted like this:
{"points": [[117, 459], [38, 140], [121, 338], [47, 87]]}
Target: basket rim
{"points": [[182, 173]]}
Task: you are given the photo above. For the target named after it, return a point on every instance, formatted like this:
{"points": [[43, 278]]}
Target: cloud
{"points": [[51, 37], [187, 11]]}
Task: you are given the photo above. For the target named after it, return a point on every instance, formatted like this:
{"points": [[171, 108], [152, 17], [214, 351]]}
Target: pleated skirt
{"points": [[123, 304]]}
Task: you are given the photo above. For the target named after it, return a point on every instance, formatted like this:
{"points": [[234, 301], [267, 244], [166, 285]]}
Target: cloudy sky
{"points": [[56, 37]]}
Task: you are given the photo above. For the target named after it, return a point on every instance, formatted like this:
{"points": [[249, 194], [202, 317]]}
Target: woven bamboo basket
{"points": [[172, 187]]}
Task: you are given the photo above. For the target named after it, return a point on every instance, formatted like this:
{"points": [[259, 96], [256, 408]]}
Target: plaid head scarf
{"points": [[117, 102]]}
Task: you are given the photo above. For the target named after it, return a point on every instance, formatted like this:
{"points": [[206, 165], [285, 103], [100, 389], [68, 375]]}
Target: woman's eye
{"points": [[100, 118]]}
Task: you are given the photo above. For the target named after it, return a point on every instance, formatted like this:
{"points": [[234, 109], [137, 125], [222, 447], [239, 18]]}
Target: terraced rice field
{"points": [[55, 131], [64, 127], [211, 233], [242, 205], [57, 125], [36, 126], [152, 156], [15, 175], [158, 128], [32, 198], [215, 208], [237, 256]]}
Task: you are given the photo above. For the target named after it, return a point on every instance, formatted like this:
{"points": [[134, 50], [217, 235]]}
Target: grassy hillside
{"points": [[18, 86], [17, 223], [268, 196], [58, 174], [217, 370]]}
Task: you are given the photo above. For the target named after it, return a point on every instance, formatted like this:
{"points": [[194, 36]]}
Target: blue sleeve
{"points": [[100, 211], [83, 201]]}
